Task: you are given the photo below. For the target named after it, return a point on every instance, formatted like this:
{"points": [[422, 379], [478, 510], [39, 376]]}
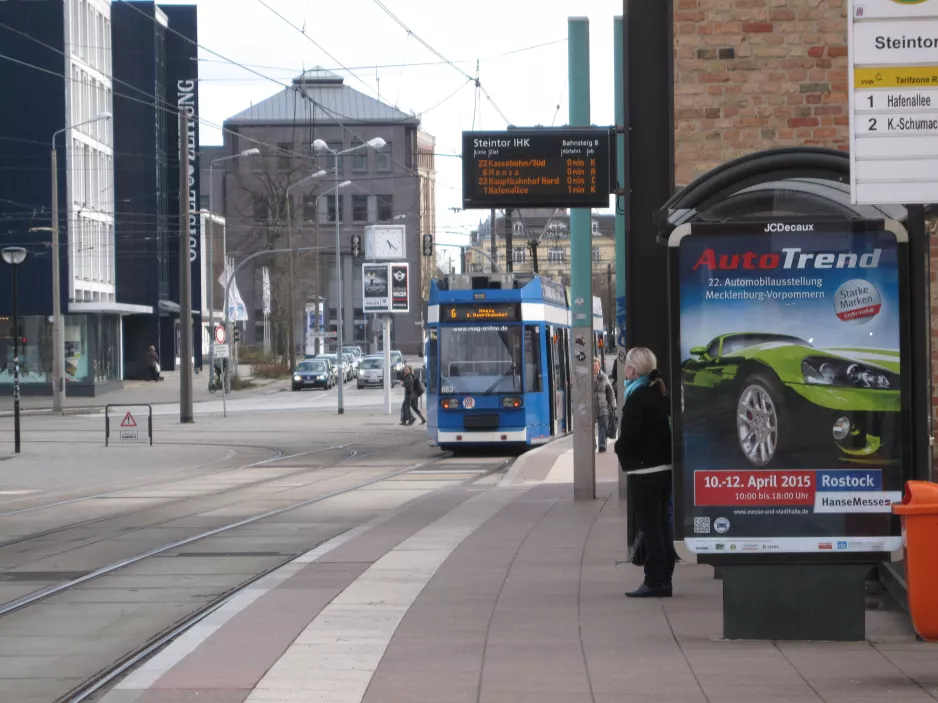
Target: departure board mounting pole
{"points": [[581, 273]]}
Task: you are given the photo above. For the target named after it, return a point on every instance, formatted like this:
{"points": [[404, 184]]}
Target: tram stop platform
{"points": [[502, 589]]}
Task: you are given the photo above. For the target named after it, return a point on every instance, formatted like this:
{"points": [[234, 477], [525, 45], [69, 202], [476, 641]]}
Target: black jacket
{"points": [[645, 432]]}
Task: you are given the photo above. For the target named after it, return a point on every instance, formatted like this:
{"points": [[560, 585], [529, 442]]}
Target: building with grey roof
{"points": [[392, 185]]}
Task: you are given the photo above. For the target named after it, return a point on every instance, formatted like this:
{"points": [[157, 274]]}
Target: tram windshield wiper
{"points": [[509, 372]]}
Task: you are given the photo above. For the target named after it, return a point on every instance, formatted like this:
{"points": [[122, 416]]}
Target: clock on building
{"points": [[385, 243]]}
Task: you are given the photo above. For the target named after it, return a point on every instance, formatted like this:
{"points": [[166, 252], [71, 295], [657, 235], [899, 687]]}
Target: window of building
{"points": [[597, 254], [383, 158], [106, 364], [518, 228], [359, 158], [284, 158], [518, 254], [309, 209], [556, 255], [259, 208], [359, 208], [385, 209], [330, 208]]}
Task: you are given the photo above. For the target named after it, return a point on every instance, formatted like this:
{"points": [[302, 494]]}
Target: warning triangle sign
{"points": [[129, 421]]}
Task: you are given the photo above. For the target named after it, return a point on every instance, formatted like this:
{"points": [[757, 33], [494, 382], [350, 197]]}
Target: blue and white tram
{"points": [[499, 355]]}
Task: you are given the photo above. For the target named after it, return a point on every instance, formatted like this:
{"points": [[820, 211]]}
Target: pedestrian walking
{"points": [[604, 404], [407, 416], [418, 391], [644, 451], [153, 364]]}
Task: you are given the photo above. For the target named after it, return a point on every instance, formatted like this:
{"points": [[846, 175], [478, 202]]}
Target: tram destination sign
{"points": [[537, 168], [480, 312]]}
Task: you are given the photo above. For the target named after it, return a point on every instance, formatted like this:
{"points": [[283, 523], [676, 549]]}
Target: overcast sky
{"points": [[525, 83]]}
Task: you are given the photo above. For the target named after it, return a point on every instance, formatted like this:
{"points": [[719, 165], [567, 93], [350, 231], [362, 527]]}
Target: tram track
{"points": [[201, 497], [97, 683]]}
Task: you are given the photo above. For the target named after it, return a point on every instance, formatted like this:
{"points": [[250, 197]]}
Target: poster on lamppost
{"points": [[400, 286], [789, 377], [376, 296]]}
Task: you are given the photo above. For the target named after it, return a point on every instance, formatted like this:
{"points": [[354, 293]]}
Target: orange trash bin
{"points": [[919, 513]]}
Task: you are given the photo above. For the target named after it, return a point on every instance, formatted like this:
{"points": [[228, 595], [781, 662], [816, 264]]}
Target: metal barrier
{"points": [[128, 430]]}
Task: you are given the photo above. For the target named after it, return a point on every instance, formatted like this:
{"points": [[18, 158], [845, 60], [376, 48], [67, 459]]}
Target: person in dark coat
{"points": [[153, 364], [644, 451], [407, 415]]}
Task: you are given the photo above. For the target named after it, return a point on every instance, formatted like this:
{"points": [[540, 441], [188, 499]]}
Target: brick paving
{"points": [[512, 593]]}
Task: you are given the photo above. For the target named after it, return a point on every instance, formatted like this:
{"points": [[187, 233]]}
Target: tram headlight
{"points": [[449, 403], [512, 401]]}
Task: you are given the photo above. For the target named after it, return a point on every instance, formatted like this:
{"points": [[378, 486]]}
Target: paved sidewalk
{"points": [[505, 590]]}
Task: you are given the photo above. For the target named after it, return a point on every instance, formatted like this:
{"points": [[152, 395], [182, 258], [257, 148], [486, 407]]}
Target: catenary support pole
{"points": [[58, 335], [493, 240], [185, 278], [16, 362], [622, 139], [291, 324], [581, 275], [509, 243], [386, 349], [340, 390]]}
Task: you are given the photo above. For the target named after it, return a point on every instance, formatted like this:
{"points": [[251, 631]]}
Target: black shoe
{"points": [[423, 421], [644, 591], [602, 450]]}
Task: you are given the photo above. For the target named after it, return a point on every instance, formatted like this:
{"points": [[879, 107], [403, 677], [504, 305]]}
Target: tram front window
{"points": [[480, 360]]}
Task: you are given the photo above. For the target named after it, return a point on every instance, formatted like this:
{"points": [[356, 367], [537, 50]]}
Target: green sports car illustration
{"points": [[784, 394]]}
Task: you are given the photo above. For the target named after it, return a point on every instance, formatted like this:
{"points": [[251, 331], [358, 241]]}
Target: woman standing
{"points": [[644, 451]]}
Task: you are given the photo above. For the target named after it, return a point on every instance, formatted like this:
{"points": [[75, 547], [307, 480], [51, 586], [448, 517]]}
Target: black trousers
{"points": [[406, 414], [651, 494], [415, 407]]}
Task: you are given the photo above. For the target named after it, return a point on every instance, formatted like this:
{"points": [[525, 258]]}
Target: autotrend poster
{"points": [[791, 431]]}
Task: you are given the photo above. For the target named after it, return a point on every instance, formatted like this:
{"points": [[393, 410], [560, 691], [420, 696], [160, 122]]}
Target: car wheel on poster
{"points": [[762, 423]]}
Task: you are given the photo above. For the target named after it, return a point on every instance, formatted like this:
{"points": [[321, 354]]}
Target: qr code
{"points": [[701, 526]]}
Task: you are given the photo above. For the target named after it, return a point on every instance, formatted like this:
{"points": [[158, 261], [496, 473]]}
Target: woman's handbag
{"points": [[612, 427], [637, 554]]}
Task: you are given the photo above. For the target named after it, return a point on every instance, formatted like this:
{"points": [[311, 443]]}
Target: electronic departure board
{"points": [[480, 312], [537, 168]]}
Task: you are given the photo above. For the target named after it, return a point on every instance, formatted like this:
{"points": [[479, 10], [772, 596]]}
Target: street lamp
{"points": [[58, 337], [320, 145], [13, 257], [291, 328], [211, 262]]}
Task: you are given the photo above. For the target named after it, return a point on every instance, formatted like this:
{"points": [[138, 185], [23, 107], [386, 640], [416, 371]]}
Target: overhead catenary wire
{"points": [[436, 53]]}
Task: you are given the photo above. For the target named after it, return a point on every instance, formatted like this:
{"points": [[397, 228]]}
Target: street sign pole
{"points": [[581, 274], [386, 324]]}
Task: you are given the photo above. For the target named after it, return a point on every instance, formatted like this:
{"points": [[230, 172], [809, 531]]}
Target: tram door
{"points": [[559, 364]]}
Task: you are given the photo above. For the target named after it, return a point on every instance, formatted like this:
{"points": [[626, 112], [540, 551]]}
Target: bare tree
{"points": [[261, 200]]}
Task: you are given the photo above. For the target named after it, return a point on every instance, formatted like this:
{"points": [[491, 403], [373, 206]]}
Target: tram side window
{"points": [[532, 359]]}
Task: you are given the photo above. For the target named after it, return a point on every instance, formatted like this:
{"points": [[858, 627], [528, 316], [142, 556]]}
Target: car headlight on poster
{"points": [[827, 371]]}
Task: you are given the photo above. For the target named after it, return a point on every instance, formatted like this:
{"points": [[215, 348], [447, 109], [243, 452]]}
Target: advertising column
{"points": [[788, 347]]}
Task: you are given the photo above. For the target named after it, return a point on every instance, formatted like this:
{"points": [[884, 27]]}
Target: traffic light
{"points": [[237, 334], [356, 244], [428, 245]]}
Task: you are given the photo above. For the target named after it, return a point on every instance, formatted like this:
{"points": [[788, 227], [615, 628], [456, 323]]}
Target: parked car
{"points": [[351, 366], [314, 373], [397, 363], [333, 361], [357, 356], [371, 372]]}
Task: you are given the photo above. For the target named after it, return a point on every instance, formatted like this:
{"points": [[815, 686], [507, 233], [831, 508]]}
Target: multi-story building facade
{"points": [[156, 70], [57, 83], [86, 75], [395, 185]]}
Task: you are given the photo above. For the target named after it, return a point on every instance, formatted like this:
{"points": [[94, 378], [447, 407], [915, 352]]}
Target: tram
{"points": [[499, 353]]}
